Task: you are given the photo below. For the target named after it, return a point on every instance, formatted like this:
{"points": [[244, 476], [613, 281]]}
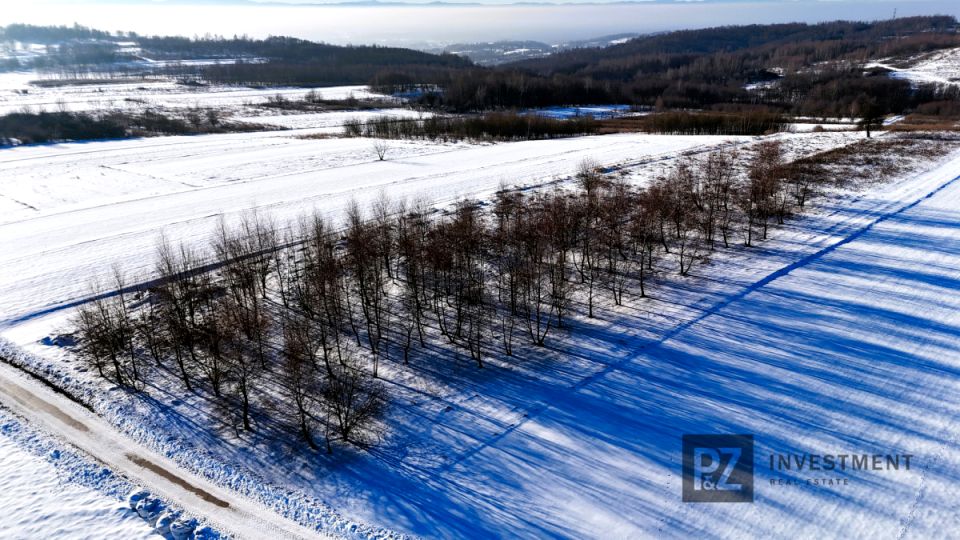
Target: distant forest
{"points": [[818, 71], [802, 69], [265, 62]]}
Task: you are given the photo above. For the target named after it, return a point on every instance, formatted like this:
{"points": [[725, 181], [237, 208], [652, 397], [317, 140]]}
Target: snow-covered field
{"points": [[35, 503], [840, 334], [941, 67], [438, 477], [47, 492], [846, 345], [76, 209], [837, 335], [16, 94], [47, 179]]}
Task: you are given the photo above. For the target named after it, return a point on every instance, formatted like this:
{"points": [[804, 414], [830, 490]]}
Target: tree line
{"points": [[713, 123], [811, 70], [41, 127], [307, 313], [497, 126], [702, 69]]}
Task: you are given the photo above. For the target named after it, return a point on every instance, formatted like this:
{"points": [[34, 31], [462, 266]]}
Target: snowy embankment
{"points": [[49, 491], [57, 414]]}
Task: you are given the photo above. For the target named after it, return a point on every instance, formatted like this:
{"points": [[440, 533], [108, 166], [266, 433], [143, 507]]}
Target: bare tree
{"points": [[712, 195], [123, 329], [644, 234], [719, 179], [380, 148], [246, 330], [758, 196], [614, 209], [214, 335], [588, 226], [179, 295], [535, 252], [300, 374], [411, 240], [94, 336], [367, 271], [148, 326], [353, 400], [589, 176]]}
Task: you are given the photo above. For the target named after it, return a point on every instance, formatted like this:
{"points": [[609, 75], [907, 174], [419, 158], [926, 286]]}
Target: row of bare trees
{"points": [[308, 313]]}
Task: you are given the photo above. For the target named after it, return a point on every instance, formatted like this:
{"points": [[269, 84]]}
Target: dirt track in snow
{"points": [[56, 414]]}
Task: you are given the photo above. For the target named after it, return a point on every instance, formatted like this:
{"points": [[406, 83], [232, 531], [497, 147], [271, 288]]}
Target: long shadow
{"points": [[770, 360], [795, 358]]}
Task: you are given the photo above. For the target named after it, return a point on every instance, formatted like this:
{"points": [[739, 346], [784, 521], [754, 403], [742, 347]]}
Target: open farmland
{"points": [[463, 452], [17, 93], [184, 185]]}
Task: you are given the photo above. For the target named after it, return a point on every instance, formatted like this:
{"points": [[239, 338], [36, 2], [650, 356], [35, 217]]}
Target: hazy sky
{"points": [[431, 24]]}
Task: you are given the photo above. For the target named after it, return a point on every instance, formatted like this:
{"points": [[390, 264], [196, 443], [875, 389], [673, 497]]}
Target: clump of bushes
{"points": [[500, 126], [713, 123], [28, 128], [44, 127]]}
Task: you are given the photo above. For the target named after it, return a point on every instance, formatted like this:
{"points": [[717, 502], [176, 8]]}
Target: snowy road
{"points": [[56, 414], [49, 256], [852, 349]]}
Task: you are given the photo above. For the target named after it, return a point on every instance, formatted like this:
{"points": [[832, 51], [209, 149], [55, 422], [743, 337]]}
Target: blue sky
{"points": [[431, 25]]}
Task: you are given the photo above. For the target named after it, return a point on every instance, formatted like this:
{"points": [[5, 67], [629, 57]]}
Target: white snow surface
{"points": [[941, 67], [40, 497], [837, 335], [70, 211], [16, 94], [34, 503]]}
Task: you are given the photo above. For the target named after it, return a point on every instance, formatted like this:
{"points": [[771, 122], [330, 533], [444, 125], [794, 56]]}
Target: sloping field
{"points": [[852, 349], [940, 67], [838, 336]]}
